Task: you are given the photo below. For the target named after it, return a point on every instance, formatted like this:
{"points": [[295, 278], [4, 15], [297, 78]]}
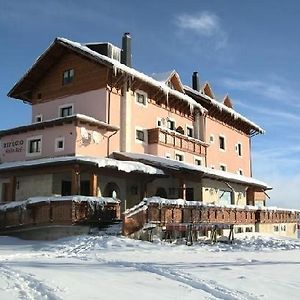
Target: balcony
{"points": [[176, 140]]}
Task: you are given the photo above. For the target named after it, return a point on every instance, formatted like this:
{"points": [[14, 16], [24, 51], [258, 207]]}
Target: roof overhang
{"points": [[181, 168]]}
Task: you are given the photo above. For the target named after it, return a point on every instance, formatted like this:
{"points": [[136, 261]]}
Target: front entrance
{"points": [[66, 188]]}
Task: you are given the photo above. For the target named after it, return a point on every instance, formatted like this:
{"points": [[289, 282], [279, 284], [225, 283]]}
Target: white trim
{"points": [[137, 141], [58, 139], [38, 116], [38, 137], [186, 130], [141, 93], [65, 106]]}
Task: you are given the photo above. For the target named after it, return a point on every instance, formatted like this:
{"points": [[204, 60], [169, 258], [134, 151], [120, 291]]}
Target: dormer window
{"points": [[68, 76]]}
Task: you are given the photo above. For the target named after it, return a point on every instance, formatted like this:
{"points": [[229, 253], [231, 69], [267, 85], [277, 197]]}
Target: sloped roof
{"points": [[222, 107], [124, 166], [27, 81], [166, 163]]}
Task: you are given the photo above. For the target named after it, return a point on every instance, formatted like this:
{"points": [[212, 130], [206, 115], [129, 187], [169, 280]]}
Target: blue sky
{"points": [[247, 49]]}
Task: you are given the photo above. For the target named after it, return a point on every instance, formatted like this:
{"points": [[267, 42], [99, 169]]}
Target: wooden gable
{"points": [[227, 101], [207, 90]]}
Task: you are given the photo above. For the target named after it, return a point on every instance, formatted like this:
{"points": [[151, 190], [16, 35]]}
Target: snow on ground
{"points": [[112, 267]]}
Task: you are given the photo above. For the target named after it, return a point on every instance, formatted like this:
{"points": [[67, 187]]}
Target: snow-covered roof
{"points": [[223, 107], [134, 73], [162, 77], [34, 200], [117, 66], [185, 203], [50, 122], [125, 166], [167, 163]]}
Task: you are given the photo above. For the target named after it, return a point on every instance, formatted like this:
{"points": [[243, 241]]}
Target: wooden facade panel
{"points": [[88, 76]]}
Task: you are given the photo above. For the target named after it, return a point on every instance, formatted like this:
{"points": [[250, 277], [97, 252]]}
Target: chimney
{"points": [[195, 81], [126, 49]]}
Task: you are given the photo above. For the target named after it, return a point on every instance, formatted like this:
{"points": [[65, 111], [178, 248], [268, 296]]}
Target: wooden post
{"points": [[93, 184], [182, 188], [12, 189], [76, 181]]}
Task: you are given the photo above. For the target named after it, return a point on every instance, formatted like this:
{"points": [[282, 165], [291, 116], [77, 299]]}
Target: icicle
{"points": [[115, 70]]}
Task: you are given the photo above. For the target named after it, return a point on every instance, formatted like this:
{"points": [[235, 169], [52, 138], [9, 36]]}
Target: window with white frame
{"points": [[66, 110], [34, 146], [189, 131], [140, 135], [59, 144], [38, 118], [239, 149], [141, 98], [223, 168], [68, 76], [179, 157], [197, 161], [171, 125], [211, 138], [222, 142]]}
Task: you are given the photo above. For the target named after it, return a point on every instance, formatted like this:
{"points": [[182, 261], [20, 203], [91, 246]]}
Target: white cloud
{"points": [[204, 24]]}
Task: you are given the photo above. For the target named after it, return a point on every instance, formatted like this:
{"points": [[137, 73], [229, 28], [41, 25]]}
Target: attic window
{"points": [[141, 98], [68, 76]]}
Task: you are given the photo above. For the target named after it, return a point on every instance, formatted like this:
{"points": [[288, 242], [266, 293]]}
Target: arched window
{"points": [[112, 190]]}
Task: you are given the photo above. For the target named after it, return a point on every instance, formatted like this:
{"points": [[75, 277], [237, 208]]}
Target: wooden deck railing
{"points": [[176, 140], [162, 215]]}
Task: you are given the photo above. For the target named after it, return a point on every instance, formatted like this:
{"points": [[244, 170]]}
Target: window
{"points": [[222, 142], [223, 168], [240, 172], [168, 155], [198, 161], [68, 76], [59, 144], [211, 139], [66, 110], [141, 98], [276, 228], [139, 135], [38, 118], [189, 131], [34, 146], [239, 149], [159, 123], [171, 124], [179, 157]]}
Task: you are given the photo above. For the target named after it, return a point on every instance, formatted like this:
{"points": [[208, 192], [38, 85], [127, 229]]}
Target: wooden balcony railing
{"points": [[176, 140]]}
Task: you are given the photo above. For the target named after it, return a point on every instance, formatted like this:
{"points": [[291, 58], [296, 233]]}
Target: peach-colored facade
{"points": [[229, 157], [92, 103], [77, 140]]}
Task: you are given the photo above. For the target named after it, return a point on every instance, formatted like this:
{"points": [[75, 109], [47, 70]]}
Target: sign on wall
{"points": [[13, 146]]}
